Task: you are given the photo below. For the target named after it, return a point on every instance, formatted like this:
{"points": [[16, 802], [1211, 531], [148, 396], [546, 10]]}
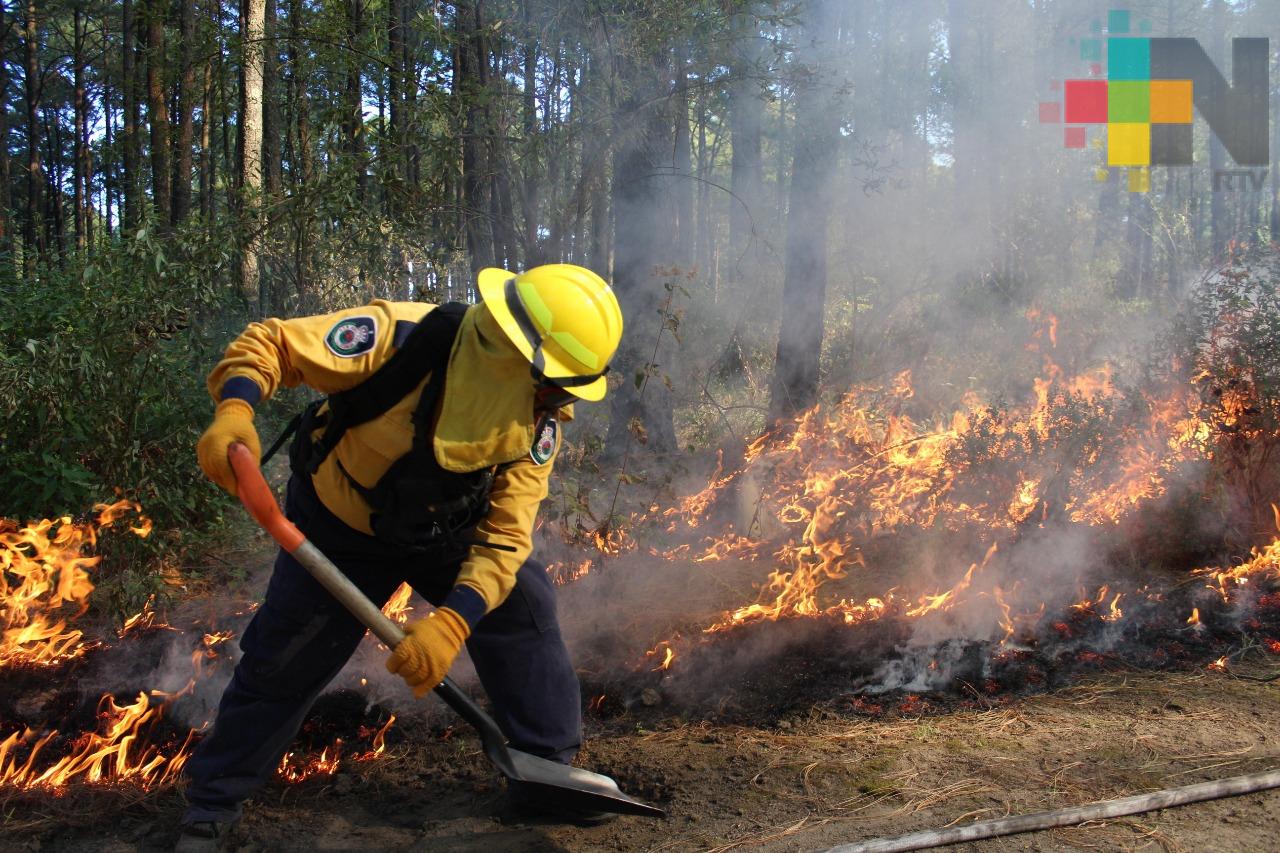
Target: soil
{"points": [[787, 759], [807, 783]]}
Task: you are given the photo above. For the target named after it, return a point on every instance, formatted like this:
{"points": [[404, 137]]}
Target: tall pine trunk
{"points": [[186, 112], [794, 387], [643, 245], [130, 143], [80, 168], [158, 114], [31, 239], [471, 80], [252, 29], [6, 227]]}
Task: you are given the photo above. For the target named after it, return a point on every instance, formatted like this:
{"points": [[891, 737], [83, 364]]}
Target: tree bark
{"points": [[130, 142], [353, 122], [32, 242], [644, 241], [253, 31], [794, 387], [6, 227], [471, 80], [300, 108], [395, 85], [158, 114], [186, 113], [80, 181], [682, 163], [746, 167], [271, 166]]}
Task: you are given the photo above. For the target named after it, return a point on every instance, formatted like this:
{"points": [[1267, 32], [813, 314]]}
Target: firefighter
{"points": [[426, 463]]}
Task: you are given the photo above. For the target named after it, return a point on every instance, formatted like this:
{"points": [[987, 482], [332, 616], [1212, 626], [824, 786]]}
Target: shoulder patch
{"points": [[545, 433], [352, 336]]}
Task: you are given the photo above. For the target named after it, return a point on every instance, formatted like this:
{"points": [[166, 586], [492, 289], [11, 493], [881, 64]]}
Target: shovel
{"points": [[572, 786]]}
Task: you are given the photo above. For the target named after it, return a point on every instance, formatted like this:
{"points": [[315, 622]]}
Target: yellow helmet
{"points": [[563, 318]]}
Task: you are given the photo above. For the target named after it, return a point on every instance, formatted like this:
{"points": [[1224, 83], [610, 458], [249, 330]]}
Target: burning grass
{"points": [[996, 548], [56, 739]]}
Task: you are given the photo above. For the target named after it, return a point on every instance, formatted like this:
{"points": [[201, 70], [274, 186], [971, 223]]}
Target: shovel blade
{"points": [[577, 787]]}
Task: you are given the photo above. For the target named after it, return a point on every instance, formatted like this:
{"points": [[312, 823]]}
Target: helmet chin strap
{"points": [[538, 361]]}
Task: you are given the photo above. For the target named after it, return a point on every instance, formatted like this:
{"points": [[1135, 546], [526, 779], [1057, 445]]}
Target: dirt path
{"points": [[805, 784]]}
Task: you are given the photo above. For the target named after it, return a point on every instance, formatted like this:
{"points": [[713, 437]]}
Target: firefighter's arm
{"points": [[488, 574], [329, 352]]}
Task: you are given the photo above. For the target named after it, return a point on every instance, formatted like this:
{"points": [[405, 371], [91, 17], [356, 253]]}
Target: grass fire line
{"points": [[47, 581], [997, 496]]}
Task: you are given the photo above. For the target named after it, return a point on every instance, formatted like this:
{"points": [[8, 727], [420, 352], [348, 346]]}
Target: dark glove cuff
{"points": [[467, 603], [241, 388]]}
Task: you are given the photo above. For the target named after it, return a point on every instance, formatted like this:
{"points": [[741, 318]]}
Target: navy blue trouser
{"points": [[301, 637]]}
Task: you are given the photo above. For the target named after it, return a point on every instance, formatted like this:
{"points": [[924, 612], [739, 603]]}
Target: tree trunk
{"points": [[253, 30], [130, 141], [206, 201], [746, 167], [158, 114], [353, 122], [6, 227], [395, 86], [186, 113], [794, 387], [471, 86], [80, 185], [644, 241], [271, 166], [31, 240], [682, 164], [300, 108], [110, 197]]}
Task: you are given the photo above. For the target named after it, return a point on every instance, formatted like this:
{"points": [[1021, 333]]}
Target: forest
{"points": [[953, 430]]}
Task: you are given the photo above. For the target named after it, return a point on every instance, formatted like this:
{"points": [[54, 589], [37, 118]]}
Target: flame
{"points": [[295, 767], [668, 655], [44, 572], [1194, 618], [120, 751], [397, 607]]}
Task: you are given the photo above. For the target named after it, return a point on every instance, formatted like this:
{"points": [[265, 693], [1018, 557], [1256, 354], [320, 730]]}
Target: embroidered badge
{"points": [[352, 336], [544, 440]]}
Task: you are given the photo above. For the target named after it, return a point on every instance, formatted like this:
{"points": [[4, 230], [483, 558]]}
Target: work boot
{"points": [[203, 836], [536, 804]]}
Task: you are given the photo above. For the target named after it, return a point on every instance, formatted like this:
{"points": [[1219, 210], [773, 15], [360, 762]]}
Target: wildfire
{"points": [[295, 767], [828, 487], [122, 750], [45, 584], [397, 607], [44, 572]]}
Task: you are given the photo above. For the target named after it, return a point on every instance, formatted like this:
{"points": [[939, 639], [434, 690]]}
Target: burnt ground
{"points": [[756, 740], [809, 782]]}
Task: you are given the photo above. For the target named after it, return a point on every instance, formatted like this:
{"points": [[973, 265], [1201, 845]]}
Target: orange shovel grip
{"points": [[256, 496]]}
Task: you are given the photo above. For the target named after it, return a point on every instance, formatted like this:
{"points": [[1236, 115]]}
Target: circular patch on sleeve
{"points": [[544, 440], [352, 336]]}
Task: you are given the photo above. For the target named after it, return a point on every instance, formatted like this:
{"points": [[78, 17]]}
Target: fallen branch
{"points": [[1137, 804]]}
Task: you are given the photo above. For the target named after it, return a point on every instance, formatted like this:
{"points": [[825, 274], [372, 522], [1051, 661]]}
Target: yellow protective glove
{"points": [[423, 657], [232, 422]]}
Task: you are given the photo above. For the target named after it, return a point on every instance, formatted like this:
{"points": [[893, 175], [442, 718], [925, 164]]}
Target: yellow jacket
{"points": [[486, 417]]}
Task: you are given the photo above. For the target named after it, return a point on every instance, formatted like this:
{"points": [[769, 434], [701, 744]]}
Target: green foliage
{"points": [[101, 387]]}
